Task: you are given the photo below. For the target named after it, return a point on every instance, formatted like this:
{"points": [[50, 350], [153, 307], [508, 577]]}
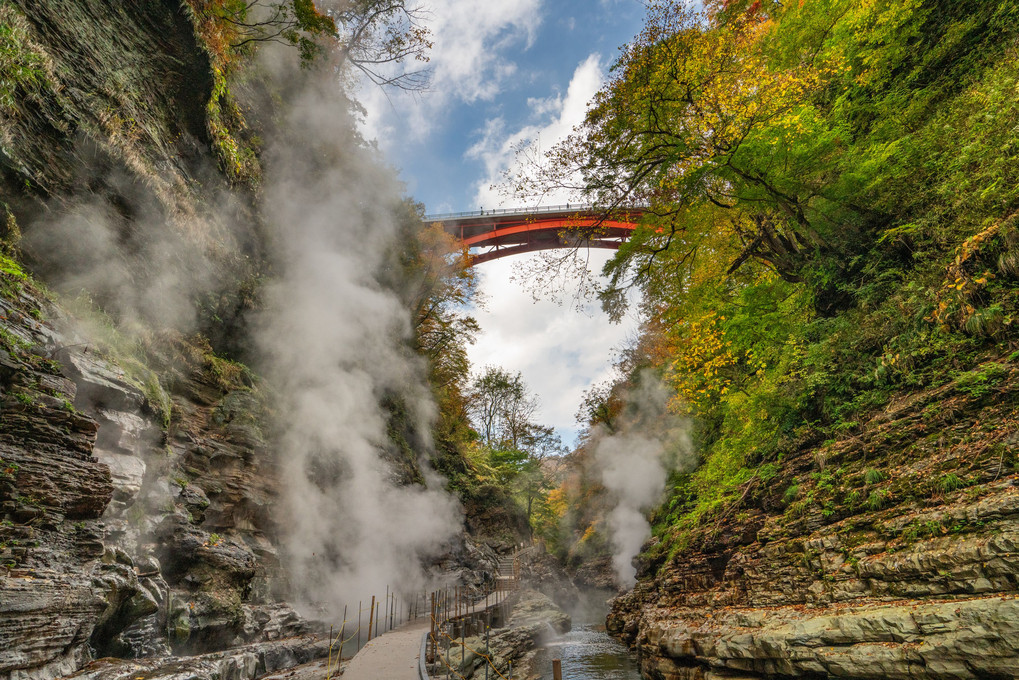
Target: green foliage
{"points": [[22, 69], [12, 277], [981, 381], [873, 476], [833, 192], [949, 482], [235, 146], [876, 500], [791, 494], [920, 529]]}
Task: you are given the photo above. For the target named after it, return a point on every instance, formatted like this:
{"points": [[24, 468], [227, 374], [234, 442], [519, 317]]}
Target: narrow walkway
{"points": [[393, 656]]}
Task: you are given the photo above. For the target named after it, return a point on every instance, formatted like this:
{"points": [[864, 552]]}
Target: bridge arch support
{"points": [[500, 233]]}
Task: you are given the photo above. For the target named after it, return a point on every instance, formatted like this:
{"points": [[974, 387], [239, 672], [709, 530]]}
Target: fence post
{"points": [[358, 627], [343, 627], [371, 619], [557, 669], [431, 631]]}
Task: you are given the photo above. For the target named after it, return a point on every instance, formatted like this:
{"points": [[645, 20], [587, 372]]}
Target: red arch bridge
{"points": [[491, 234]]}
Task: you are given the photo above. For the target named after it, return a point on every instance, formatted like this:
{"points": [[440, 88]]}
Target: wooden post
{"points": [[358, 627], [371, 619], [385, 609], [343, 627], [557, 669], [431, 630]]}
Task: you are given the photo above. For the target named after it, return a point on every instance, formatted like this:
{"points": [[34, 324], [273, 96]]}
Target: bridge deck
{"points": [[513, 231]]}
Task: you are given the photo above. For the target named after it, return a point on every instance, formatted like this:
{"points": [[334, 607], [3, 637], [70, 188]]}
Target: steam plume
{"points": [[634, 462], [334, 341]]}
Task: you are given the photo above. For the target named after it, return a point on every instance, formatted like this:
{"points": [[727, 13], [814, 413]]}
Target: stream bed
{"points": [[587, 651]]}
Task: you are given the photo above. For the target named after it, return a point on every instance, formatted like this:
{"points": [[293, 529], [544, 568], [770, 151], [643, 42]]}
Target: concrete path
{"points": [[393, 656]]}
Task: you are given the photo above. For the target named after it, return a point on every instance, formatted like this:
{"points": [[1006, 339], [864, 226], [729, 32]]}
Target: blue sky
{"points": [[507, 72]]}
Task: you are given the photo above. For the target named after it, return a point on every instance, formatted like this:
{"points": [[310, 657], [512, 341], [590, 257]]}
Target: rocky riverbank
{"points": [[898, 559], [533, 618]]}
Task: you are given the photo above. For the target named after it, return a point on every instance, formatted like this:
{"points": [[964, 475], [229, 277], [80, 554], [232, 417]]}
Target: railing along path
{"points": [[452, 618], [449, 611]]}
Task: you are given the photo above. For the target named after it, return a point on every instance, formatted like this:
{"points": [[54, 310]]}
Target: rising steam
{"points": [[634, 461], [332, 341], [335, 343]]}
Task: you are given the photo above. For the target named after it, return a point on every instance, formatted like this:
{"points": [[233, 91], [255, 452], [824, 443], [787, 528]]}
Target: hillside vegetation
{"points": [[832, 223]]}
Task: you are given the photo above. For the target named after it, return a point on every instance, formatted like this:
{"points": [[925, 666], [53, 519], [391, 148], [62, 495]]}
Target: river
{"points": [[587, 651]]}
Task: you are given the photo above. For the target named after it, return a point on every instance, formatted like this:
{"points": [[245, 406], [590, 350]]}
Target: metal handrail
{"points": [[579, 207], [509, 211]]}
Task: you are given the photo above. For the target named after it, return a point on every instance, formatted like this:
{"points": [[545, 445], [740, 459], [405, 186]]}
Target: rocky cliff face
{"points": [[890, 554], [119, 536], [113, 93]]}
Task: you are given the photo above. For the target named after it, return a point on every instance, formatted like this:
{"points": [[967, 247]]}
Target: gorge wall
{"points": [[142, 514], [888, 554], [119, 538]]}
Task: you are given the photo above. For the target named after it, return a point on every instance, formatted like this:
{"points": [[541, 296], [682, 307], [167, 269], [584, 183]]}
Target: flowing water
{"points": [[587, 651]]}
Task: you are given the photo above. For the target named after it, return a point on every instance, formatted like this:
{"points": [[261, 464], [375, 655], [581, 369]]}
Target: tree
{"points": [[376, 37], [519, 450], [544, 449], [698, 117], [379, 36], [501, 408], [237, 26], [437, 284]]}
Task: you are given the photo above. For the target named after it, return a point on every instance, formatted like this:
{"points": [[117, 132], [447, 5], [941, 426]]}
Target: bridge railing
{"points": [[579, 207], [508, 211]]}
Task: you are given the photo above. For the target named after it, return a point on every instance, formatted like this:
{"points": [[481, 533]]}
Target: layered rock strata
{"points": [[119, 537], [891, 554]]}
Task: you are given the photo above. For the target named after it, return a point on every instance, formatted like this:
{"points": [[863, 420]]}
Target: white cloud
{"points": [[560, 352], [471, 39], [554, 118]]}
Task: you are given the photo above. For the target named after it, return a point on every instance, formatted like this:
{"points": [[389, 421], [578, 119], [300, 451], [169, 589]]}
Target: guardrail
{"points": [[453, 618], [580, 207], [576, 207], [382, 613], [452, 612]]}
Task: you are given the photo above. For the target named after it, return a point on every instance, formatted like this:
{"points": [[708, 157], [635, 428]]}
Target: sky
{"points": [[507, 73]]}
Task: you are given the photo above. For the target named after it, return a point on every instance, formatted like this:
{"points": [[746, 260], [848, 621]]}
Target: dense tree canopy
{"points": [[832, 196]]}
